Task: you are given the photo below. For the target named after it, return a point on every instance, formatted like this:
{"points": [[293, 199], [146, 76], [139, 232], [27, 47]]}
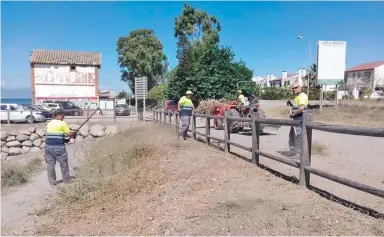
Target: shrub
{"points": [[18, 174]]}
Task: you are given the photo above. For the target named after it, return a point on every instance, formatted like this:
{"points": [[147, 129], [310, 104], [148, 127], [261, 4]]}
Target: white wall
{"points": [[106, 104], [59, 91], [379, 76], [58, 74], [59, 82]]}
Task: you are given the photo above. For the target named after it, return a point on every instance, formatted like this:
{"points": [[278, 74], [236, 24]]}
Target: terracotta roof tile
{"points": [[45, 56], [365, 66]]}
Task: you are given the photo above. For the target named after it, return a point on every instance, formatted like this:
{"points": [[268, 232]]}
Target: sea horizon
{"points": [[16, 100]]}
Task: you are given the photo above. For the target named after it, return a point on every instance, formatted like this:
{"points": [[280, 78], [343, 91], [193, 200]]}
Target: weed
{"points": [[319, 149], [18, 174], [103, 169]]}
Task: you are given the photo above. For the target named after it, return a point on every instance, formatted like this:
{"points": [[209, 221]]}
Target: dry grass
{"points": [[134, 187], [108, 175], [105, 169], [206, 106], [344, 115], [19, 174], [319, 149]]}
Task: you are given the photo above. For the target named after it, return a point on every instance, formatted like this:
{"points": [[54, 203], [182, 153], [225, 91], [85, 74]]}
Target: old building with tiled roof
{"points": [[58, 57], [369, 75], [65, 75]]}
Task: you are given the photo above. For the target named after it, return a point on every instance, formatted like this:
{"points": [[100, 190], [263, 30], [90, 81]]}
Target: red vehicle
{"points": [[170, 105], [232, 109]]}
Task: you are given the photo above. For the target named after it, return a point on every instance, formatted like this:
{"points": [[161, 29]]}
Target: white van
{"points": [[19, 114]]}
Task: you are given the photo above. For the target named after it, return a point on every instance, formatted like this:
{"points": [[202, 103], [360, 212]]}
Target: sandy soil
{"points": [[192, 189], [19, 205], [188, 188], [353, 157]]}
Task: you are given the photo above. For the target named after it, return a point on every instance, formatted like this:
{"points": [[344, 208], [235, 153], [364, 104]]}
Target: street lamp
{"points": [[310, 61]]}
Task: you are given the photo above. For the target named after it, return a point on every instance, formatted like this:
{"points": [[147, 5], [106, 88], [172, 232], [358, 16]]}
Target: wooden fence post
{"points": [[255, 137], [114, 111], [227, 133], [304, 157], [157, 116], [194, 126], [88, 108], [177, 126], [31, 114], [208, 129], [8, 115], [309, 143]]}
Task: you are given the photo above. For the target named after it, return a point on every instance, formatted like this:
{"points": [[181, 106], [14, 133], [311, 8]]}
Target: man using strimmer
{"points": [[300, 104], [55, 149]]}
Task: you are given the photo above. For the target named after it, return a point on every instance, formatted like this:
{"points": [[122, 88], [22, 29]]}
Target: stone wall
{"points": [[33, 140]]}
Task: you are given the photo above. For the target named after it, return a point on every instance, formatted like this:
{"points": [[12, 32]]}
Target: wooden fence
{"points": [[307, 126]]}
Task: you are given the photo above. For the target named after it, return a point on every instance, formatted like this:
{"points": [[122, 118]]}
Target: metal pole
{"points": [[310, 64], [310, 60]]}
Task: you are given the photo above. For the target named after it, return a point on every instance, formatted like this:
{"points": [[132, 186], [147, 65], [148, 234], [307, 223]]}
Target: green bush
{"points": [[275, 93], [157, 93]]}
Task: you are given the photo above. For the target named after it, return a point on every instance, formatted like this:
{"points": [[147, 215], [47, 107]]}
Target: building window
{"points": [[367, 75], [72, 68]]}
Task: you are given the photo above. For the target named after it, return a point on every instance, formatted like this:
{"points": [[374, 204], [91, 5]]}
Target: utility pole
{"points": [[310, 61]]}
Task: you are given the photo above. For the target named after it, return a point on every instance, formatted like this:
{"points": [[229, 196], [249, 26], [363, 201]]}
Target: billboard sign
{"points": [[331, 62]]}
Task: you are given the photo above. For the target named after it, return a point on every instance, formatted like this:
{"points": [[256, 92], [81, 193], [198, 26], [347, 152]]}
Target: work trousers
{"points": [[57, 153], [295, 140], [185, 121]]}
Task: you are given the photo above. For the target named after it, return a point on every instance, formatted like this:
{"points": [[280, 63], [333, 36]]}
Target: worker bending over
{"points": [[55, 149], [185, 108], [300, 105]]}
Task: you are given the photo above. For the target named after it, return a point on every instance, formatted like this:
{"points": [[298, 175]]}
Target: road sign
{"points": [[141, 92]]}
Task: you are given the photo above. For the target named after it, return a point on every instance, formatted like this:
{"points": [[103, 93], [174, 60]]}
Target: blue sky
{"points": [[263, 34]]}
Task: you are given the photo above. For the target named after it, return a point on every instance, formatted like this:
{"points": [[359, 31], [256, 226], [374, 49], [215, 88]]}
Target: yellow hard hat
{"points": [[189, 92]]}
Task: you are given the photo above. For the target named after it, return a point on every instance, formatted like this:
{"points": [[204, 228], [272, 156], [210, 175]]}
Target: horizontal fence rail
{"points": [[307, 125]]}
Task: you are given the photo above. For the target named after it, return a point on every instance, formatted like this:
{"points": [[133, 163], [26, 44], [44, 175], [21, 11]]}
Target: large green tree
{"points": [[141, 54], [204, 67]]}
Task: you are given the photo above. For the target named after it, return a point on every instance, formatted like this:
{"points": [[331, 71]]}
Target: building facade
{"points": [[369, 75], [65, 75]]}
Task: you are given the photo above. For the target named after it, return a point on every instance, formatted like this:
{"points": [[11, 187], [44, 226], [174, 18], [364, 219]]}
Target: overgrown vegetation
{"points": [[18, 174], [107, 169]]}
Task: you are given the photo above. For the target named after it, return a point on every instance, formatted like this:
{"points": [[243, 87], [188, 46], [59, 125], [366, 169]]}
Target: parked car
{"points": [[170, 106], [19, 114], [47, 113], [53, 106], [68, 107], [43, 107], [122, 110]]}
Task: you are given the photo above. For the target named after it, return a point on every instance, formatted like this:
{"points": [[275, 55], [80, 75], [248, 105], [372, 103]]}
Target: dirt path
{"points": [[361, 161], [20, 205], [353, 157], [188, 188]]}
